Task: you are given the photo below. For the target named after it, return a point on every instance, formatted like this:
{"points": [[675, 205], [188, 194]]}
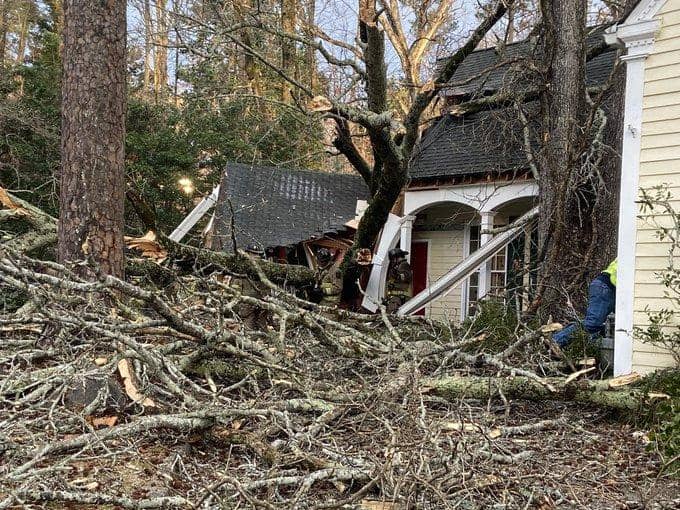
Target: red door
{"points": [[419, 268]]}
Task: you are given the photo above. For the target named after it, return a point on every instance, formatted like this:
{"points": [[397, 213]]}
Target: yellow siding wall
{"points": [[659, 164], [445, 251]]}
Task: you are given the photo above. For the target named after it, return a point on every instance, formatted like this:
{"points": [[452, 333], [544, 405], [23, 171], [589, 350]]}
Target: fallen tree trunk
{"points": [[43, 234], [600, 393], [282, 274]]}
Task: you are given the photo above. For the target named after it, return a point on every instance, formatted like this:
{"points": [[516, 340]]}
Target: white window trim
{"points": [[637, 35]]}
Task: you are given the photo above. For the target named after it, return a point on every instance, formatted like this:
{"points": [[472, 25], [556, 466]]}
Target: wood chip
{"points": [[552, 327], [624, 380], [578, 374], [457, 426], [100, 362], [371, 504], [125, 371]]}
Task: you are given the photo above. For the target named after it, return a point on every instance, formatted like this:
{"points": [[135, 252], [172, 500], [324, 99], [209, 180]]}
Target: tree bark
{"points": [[561, 228], [23, 35], [161, 51], [93, 134], [288, 54], [4, 8], [148, 45], [599, 393]]}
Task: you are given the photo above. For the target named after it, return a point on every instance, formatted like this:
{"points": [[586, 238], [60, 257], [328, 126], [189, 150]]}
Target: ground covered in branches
{"points": [[121, 395]]}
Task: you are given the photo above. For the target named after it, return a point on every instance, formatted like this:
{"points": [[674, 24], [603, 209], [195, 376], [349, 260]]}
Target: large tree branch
{"points": [[374, 56], [423, 41], [395, 33], [344, 143], [424, 99]]}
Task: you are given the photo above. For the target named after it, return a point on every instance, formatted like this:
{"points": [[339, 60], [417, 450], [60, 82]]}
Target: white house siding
{"points": [[445, 251], [659, 164]]}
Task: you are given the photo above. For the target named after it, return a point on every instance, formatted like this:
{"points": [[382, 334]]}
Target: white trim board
{"points": [[637, 35], [195, 215]]}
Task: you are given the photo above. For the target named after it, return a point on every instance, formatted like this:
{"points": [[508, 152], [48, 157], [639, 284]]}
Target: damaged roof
{"points": [[483, 142], [478, 74], [281, 206], [490, 141]]}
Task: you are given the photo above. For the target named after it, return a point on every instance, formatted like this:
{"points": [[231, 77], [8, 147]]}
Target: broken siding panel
{"points": [[660, 164], [445, 251]]}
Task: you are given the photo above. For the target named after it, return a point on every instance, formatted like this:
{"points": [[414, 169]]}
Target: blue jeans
{"points": [[601, 302]]}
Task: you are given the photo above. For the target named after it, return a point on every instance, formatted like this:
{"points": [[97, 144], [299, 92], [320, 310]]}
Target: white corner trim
{"points": [[645, 10], [638, 37]]}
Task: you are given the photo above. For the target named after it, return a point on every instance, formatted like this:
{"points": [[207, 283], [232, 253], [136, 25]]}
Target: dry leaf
{"points": [[148, 245], [320, 104], [8, 203], [102, 421], [486, 481], [125, 371]]}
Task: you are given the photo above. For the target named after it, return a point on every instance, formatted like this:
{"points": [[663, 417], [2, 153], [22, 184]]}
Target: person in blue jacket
{"points": [[601, 302]]}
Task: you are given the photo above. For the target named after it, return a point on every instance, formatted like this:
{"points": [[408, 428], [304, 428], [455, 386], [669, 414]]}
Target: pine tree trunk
{"points": [[93, 134]]}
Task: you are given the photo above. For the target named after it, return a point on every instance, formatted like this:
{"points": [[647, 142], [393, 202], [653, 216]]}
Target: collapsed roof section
{"points": [[282, 207]]}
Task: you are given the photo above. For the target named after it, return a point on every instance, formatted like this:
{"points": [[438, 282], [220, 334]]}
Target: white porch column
{"points": [[639, 40], [484, 271], [405, 239]]}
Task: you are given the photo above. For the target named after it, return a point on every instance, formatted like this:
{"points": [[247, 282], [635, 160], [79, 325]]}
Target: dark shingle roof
{"points": [[484, 142], [487, 141], [474, 67], [280, 207]]}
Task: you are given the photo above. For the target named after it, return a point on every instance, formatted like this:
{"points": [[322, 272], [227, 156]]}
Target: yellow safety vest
{"points": [[611, 271]]}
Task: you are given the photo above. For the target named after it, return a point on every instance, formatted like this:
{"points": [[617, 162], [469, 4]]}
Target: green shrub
{"points": [[663, 417]]}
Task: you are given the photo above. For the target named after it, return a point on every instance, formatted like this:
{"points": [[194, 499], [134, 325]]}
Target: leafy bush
{"points": [[664, 327], [664, 417]]}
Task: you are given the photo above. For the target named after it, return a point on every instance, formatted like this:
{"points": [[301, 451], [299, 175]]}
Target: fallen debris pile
{"points": [[120, 394]]}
